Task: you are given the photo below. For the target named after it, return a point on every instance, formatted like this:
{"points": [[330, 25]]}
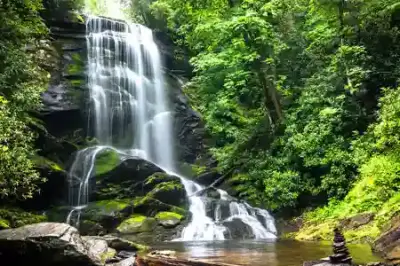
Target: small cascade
{"points": [[130, 115], [214, 225]]}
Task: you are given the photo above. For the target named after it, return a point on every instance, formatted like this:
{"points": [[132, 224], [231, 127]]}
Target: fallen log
{"points": [[160, 260]]}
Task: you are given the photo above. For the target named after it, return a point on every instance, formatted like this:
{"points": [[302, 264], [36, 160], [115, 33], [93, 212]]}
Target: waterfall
{"points": [[130, 115]]}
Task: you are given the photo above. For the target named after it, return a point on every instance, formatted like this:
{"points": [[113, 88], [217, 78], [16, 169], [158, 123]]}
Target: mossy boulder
{"points": [[168, 219], [357, 221], [104, 216], [137, 224], [106, 161], [166, 188], [150, 206], [125, 179], [111, 206], [123, 244], [110, 253], [87, 227]]}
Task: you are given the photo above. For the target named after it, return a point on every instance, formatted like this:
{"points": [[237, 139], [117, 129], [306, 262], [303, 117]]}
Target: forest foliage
{"points": [[300, 96], [21, 82], [25, 50]]}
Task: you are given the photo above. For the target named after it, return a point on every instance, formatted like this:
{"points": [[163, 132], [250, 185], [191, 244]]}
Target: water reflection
{"points": [[261, 253]]}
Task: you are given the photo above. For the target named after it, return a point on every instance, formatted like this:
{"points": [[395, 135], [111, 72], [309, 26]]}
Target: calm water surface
{"points": [[257, 253]]}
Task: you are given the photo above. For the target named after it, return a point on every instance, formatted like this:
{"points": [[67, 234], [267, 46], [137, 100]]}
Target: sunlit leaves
{"points": [[327, 63], [21, 84]]}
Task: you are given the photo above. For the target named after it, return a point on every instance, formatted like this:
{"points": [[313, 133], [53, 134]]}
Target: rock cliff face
{"points": [[66, 111], [128, 196]]}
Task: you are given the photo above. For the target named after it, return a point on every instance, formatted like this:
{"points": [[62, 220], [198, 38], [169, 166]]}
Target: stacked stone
{"points": [[341, 254]]}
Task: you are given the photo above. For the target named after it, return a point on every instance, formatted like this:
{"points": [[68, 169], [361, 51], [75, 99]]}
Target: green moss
{"points": [[198, 170], [76, 82], [77, 66], [112, 205], [136, 218], [99, 210], [43, 162], [149, 200], [156, 177], [168, 216], [106, 161], [139, 247], [137, 224], [4, 224], [16, 217], [167, 186], [317, 231], [364, 234], [108, 255]]}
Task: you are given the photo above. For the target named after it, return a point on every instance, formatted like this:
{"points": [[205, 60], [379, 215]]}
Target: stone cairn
{"points": [[341, 254]]}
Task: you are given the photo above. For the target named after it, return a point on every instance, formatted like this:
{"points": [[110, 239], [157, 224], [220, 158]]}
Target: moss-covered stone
{"points": [[162, 216], [106, 161], [43, 162], [137, 224], [151, 206], [87, 227], [112, 205], [4, 224], [77, 65], [107, 212], [124, 244], [168, 219], [156, 178], [107, 255]]}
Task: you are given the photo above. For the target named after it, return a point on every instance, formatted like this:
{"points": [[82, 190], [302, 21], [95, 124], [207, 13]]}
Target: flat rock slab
{"points": [[48, 244]]}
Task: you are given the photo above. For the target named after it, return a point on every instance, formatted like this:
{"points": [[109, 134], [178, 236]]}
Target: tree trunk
{"points": [[270, 94]]}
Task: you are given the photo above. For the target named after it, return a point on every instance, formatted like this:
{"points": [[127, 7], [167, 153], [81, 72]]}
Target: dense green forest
{"points": [[300, 97]]}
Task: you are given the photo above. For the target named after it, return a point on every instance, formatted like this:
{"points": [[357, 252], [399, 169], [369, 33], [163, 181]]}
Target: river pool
{"points": [[257, 253]]}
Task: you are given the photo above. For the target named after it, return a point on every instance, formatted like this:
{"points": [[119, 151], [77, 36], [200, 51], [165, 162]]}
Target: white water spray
{"points": [[130, 115]]}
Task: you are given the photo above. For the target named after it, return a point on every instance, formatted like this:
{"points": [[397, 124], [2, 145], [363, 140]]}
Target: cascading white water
{"points": [[204, 226], [129, 107], [130, 115]]}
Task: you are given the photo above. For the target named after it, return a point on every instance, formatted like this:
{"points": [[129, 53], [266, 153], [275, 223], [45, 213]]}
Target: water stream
{"points": [[130, 115]]}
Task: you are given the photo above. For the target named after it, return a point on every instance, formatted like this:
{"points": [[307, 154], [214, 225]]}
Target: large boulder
{"points": [[103, 216], [48, 244], [388, 244], [237, 229], [122, 179], [168, 219], [357, 220], [137, 224], [165, 226], [208, 177]]}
